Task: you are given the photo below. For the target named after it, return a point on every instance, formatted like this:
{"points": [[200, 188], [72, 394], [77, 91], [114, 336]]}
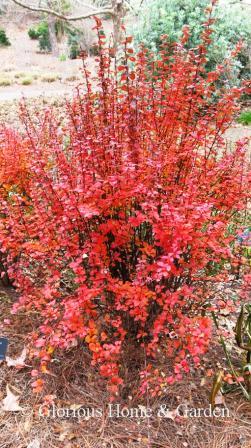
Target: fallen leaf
{"points": [[34, 444], [27, 425], [219, 399], [63, 436], [10, 402], [203, 381], [171, 414], [75, 407], [18, 361]]}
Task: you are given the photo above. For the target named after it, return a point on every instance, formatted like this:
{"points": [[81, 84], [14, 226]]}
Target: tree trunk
{"points": [[119, 13], [52, 35]]}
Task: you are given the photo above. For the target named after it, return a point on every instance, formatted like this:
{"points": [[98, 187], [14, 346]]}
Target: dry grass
{"points": [[22, 78], [5, 82], [72, 78], [74, 383], [26, 81], [50, 77]]}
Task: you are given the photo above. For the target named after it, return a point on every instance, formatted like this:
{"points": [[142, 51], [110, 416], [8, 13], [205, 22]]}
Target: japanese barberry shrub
{"points": [[124, 210]]}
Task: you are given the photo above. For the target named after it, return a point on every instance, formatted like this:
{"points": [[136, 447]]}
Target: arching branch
{"points": [[62, 16]]}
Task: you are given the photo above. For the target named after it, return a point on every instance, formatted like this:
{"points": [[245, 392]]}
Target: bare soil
{"points": [[26, 72]]}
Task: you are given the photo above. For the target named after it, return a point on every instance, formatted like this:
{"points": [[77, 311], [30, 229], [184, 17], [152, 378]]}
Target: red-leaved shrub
{"points": [[125, 210]]}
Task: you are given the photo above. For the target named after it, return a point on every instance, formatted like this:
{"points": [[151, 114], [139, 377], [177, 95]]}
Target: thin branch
{"points": [[86, 6], [131, 7], [62, 16]]}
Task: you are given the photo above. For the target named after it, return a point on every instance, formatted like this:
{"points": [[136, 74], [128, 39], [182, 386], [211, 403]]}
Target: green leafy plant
{"points": [[168, 17], [41, 33], [44, 43], [62, 57], [4, 41], [245, 117], [33, 33], [74, 44]]}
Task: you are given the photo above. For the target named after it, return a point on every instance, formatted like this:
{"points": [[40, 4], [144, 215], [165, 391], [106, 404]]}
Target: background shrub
{"points": [[232, 24], [74, 43], [26, 81], [245, 117], [4, 41], [41, 33], [33, 33]]}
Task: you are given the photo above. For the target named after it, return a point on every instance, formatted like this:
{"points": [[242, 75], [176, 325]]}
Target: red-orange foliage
{"points": [[126, 207]]}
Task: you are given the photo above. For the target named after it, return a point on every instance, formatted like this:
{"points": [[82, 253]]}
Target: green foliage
{"points": [[232, 24], [74, 49], [74, 43], [33, 33], [245, 117], [44, 42], [4, 41], [41, 33], [36, 31]]}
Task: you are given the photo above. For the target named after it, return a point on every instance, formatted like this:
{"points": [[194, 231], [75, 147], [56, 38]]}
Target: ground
{"points": [[25, 71], [72, 384], [44, 74]]}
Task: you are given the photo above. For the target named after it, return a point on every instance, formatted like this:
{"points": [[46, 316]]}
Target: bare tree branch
{"points": [[85, 5], [62, 16]]}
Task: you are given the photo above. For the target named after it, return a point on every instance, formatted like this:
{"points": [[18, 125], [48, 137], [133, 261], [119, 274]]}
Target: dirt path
{"points": [[13, 94], [238, 132], [26, 72]]}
